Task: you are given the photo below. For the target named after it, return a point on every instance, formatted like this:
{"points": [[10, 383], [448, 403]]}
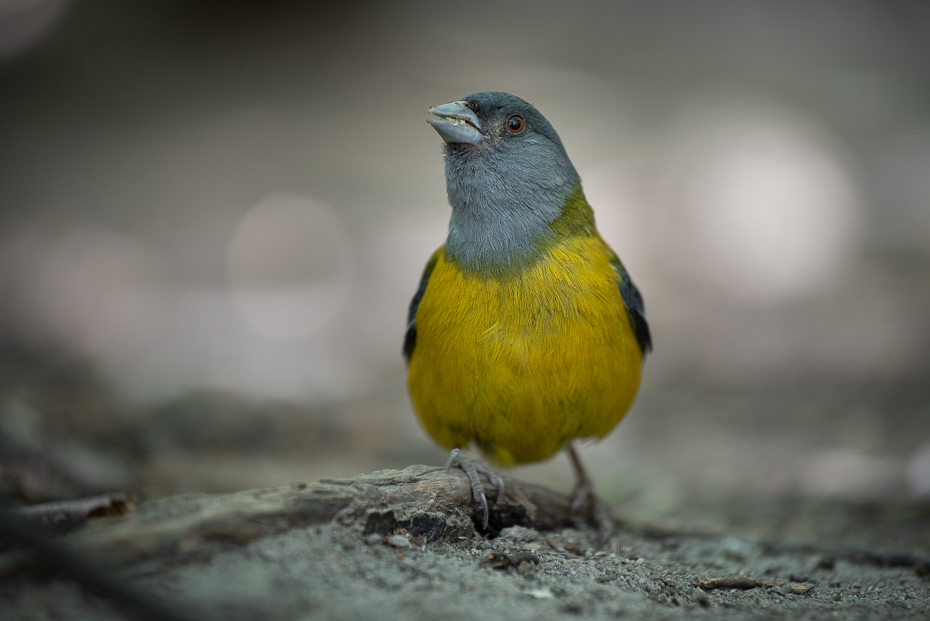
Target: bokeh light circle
{"points": [[289, 266], [762, 204]]}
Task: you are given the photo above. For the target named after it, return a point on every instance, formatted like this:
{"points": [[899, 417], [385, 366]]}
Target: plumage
{"points": [[526, 331]]}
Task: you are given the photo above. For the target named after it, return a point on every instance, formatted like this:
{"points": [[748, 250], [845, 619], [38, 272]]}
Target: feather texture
{"points": [[519, 363]]}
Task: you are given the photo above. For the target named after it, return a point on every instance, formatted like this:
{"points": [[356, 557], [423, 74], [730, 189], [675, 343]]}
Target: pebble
{"points": [[399, 541], [540, 593]]}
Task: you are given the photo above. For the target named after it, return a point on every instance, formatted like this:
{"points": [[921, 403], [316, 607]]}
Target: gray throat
{"points": [[500, 214]]}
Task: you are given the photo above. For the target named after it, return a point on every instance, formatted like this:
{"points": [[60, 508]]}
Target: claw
{"points": [[494, 478], [453, 457], [480, 497], [471, 468]]}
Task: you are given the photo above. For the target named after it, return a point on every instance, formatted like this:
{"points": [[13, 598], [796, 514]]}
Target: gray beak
{"points": [[455, 122]]}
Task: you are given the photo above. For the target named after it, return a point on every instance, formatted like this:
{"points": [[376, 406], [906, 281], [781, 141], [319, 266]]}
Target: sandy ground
{"points": [[646, 571]]}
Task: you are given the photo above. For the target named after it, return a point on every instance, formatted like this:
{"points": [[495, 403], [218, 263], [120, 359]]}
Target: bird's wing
{"points": [[633, 301], [410, 338]]}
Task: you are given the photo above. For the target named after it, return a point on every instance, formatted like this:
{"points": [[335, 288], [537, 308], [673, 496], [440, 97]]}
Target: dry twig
{"points": [[72, 513], [751, 583]]}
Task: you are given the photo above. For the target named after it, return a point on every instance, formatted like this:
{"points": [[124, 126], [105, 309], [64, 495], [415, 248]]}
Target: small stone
{"points": [[399, 541], [540, 593]]}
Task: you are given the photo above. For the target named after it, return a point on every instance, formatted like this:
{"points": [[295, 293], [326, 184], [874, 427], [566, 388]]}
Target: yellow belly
{"points": [[520, 365]]}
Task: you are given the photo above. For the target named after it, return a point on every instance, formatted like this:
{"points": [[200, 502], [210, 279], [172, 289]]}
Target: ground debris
{"points": [[499, 560], [73, 513], [743, 584], [398, 541]]}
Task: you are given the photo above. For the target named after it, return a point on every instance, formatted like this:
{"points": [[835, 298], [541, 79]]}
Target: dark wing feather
{"points": [[633, 301], [410, 338]]}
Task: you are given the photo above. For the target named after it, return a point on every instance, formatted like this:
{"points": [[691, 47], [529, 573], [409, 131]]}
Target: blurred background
{"points": [[213, 216]]}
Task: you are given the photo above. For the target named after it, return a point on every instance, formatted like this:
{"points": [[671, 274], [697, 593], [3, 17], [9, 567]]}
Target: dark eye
{"points": [[515, 124]]}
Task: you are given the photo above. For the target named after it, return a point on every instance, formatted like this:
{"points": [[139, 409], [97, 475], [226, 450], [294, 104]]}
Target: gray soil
{"points": [[332, 570]]}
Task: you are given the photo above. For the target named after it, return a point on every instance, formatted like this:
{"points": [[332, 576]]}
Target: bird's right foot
{"points": [[472, 468]]}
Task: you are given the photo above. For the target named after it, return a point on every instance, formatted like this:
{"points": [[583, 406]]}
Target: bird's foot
{"points": [[472, 468], [586, 507]]}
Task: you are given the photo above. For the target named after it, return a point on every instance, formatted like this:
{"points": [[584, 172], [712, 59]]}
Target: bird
{"points": [[526, 333]]}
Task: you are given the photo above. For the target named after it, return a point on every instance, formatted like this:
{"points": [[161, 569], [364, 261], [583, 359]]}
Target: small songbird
{"points": [[526, 332]]}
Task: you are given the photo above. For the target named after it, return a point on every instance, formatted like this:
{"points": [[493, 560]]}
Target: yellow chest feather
{"points": [[520, 365]]}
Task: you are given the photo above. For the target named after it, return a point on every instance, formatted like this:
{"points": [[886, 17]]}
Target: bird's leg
{"points": [[598, 511], [472, 467]]}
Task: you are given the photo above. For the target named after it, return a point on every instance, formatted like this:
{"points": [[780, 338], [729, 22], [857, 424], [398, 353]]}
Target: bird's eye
{"points": [[515, 124]]}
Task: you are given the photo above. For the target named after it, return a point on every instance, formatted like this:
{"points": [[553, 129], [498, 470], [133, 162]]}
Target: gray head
{"points": [[507, 177]]}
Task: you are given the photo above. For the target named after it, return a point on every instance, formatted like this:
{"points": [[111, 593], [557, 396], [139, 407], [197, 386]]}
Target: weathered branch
{"points": [[72, 513], [41, 544], [429, 503]]}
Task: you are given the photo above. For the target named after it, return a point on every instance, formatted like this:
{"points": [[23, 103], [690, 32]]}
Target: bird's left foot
{"points": [[472, 468], [585, 506]]}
